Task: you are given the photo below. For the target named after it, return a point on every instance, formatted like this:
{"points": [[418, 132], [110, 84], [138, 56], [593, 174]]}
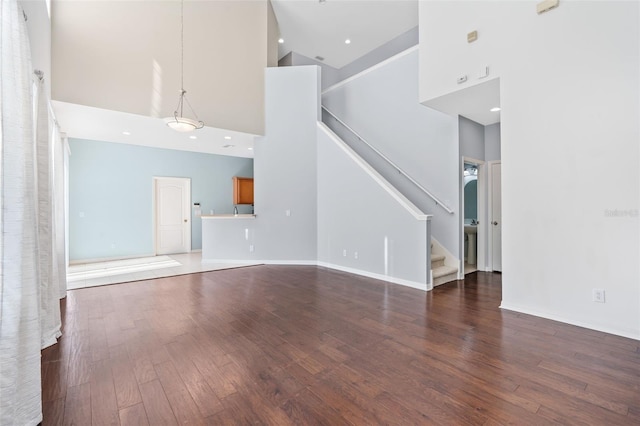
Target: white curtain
{"points": [[48, 268], [58, 145], [30, 272]]}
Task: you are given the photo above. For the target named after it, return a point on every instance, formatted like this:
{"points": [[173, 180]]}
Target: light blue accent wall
{"points": [[111, 185]]}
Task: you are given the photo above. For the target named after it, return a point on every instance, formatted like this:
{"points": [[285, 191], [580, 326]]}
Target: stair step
{"points": [[437, 258], [443, 270]]}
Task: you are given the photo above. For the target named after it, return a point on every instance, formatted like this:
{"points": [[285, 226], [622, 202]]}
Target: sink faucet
{"points": [[235, 210]]}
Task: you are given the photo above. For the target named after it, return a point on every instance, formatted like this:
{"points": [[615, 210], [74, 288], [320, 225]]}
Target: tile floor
{"points": [[122, 271]]}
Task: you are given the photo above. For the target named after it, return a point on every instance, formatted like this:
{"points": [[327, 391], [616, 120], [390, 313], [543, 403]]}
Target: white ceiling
{"points": [[312, 29], [474, 102], [84, 122]]}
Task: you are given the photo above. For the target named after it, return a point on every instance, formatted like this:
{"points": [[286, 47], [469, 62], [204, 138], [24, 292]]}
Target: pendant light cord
{"points": [[182, 45], [179, 112]]}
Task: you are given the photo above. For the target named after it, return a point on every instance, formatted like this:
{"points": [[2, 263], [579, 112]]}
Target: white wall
{"points": [[361, 224], [471, 136], [382, 106], [329, 75], [39, 29], [492, 142], [125, 56], [335, 201], [285, 166], [570, 107]]}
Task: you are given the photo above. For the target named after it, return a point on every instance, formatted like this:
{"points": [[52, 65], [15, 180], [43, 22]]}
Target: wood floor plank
{"points": [[79, 362], [126, 385], [104, 405], [156, 404], [184, 407], [53, 412], [306, 345], [54, 372], [134, 415], [202, 394], [77, 406]]}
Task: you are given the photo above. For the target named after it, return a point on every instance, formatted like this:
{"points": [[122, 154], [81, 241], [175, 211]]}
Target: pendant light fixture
{"points": [[179, 122]]}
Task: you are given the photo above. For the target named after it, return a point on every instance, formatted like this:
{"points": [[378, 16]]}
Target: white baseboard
{"points": [[394, 280], [108, 259], [233, 261], [262, 262], [290, 262], [407, 283], [560, 318]]}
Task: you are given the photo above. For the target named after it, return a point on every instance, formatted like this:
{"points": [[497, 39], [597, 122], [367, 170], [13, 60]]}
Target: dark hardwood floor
{"points": [[285, 345]]}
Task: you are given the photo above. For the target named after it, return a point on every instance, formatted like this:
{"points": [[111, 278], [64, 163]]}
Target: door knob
{"points": [[185, 220], [494, 223]]}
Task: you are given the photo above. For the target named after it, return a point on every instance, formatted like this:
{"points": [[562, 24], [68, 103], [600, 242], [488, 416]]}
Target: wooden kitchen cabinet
{"points": [[242, 190]]}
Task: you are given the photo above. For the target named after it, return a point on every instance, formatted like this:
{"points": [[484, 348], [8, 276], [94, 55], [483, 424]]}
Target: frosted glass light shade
{"points": [[183, 124]]}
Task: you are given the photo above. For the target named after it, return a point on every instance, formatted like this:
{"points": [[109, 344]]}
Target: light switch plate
{"points": [[472, 36], [546, 5]]}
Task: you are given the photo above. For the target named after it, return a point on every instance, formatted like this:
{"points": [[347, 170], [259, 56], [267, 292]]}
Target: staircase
{"points": [[441, 272], [442, 261]]}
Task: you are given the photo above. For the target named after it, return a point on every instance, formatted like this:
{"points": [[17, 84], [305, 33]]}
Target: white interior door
{"points": [[173, 215], [496, 216]]}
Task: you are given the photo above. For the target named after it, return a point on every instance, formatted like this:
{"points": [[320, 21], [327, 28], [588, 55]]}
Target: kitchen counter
{"points": [[230, 238], [228, 216]]}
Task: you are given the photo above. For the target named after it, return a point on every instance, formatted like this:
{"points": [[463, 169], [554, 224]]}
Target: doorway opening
{"points": [[473, 226]]}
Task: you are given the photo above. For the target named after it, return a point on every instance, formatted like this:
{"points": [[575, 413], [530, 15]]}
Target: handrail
{"points": [[394, 165]]}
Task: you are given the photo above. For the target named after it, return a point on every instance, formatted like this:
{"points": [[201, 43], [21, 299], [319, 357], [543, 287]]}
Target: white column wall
{"points": [[570, 153]]}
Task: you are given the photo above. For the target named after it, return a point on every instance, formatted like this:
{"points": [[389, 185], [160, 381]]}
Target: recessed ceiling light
{"points": [[228, 138], [250, 149], [347, 41], [495, 109], [280, 40], [228, 146], [193, 137], [126, 133]]}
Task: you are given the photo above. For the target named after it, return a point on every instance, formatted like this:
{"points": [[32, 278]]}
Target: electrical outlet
{"points": [[81, 214], [598, 295], [113, 245], [251, 248], [344, 252], [287, 212], [355, 254]]}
